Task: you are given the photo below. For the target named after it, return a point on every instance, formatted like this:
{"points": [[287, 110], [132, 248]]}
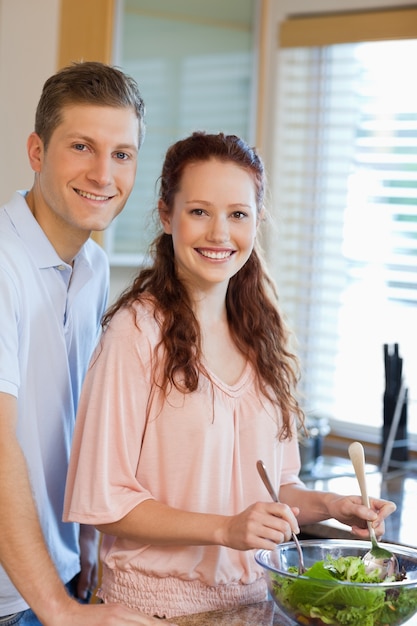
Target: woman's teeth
{"points": [[211, 254]]}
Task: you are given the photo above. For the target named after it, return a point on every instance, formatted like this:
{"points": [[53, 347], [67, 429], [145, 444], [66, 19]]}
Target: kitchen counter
{"points": [[261, 614], [332, 474]]}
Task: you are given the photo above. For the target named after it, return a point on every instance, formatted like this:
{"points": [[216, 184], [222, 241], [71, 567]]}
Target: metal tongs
{"points": [[266, 481]]}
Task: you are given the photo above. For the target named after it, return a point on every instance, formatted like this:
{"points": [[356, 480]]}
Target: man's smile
{"points": [[91, 196]]}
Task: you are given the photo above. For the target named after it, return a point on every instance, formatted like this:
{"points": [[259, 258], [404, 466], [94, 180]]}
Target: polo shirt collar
{"points": [[41, 249]]}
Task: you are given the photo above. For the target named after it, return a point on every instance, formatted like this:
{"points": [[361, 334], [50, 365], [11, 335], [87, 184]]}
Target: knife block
{"points": [[394, 449]]}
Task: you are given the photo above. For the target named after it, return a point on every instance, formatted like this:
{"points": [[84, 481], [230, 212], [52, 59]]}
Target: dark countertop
{"points": [[332, 474]]}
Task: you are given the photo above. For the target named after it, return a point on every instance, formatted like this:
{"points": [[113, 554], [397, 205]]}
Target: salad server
{"points": [[267, 482], [377, 558]]}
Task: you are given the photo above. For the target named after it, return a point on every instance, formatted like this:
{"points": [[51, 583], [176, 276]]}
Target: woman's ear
{"points": [[165, 217], [35, 150]]}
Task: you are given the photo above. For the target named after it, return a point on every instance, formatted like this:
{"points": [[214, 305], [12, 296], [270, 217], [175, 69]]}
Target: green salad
{"points": [[313, 602]]}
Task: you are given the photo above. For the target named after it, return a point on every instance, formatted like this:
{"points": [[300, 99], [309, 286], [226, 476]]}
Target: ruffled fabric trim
{"points": [[171, 597]]}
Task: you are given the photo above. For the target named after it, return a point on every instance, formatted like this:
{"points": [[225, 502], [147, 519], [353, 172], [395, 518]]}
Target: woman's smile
{"points": [[216, 255]]}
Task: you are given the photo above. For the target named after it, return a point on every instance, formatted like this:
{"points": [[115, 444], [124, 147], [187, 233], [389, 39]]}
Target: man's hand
{"points": [[101, 615]]}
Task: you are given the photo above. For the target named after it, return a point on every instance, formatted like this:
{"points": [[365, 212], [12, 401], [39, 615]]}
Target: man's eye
{"points": [[80, 146], [122, 156]]}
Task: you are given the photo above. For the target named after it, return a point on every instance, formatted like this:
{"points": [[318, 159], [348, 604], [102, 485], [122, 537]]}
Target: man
{"points": [[53, 291]]}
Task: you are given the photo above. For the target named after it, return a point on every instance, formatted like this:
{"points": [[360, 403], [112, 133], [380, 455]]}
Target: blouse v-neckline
{"points": [[236, 388]]}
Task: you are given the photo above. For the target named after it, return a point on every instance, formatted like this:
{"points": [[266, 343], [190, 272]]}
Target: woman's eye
{"points": [[80, 147], [239, 215], [197, 211]]}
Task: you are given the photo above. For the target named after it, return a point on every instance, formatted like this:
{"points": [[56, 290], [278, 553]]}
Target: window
{"points": [[194, 65], [345, 197]]}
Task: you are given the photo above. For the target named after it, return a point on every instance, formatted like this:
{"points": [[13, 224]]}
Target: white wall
{"points": [[28, 53]]}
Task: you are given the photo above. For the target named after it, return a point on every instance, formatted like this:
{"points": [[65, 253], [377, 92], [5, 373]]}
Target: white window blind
{"points": [[345, 200]]}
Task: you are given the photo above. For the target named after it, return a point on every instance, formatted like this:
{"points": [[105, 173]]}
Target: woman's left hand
{"points": [[351, 511]]}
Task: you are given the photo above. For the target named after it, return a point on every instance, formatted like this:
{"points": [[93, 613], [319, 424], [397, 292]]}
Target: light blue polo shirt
{"points": [[49, 323]]}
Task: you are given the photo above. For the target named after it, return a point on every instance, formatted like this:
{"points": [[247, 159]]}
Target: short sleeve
{"points": [[102, 485]]}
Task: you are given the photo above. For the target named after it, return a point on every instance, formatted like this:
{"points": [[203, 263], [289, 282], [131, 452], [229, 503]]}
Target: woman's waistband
{"points": [[172, 597]]}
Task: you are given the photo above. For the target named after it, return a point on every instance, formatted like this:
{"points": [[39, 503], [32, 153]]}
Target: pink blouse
{"points": [[195, 452]]}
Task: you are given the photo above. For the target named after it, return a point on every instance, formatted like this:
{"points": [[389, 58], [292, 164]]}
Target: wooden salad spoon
{"points": [[377, 558]]}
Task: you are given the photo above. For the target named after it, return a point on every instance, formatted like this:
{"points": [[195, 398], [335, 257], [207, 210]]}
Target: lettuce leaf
{"points": [[320, 599]]}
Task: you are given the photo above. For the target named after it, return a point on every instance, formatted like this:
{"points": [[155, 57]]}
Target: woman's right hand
{"points": [[262, 525]]}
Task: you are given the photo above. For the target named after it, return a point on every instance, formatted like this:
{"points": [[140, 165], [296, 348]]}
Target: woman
{"points": [[192, 383]]}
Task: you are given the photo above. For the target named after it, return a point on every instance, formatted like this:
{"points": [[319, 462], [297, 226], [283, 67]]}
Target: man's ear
{"points": [[35, 150], [165, 217]]}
